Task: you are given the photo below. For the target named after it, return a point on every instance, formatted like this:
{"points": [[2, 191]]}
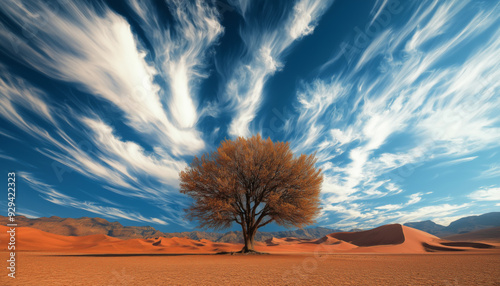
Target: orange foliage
{"points": [[252, 182]]}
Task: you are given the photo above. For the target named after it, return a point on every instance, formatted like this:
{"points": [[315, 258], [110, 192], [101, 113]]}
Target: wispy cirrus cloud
{"points": [[377, 9], [121, 166], [492, 172], [400, 87], [15, 96], [95, 48], [28, 213], [363, 216], [50, 194], [154, 92], [436, 212], [181, 49], [456, 161], [413, 199], [265, 46], [6, 157]]}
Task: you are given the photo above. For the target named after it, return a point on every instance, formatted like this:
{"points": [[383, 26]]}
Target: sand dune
{"points": [[393, 238], [387, 234], [406, 239], [30, 239]]}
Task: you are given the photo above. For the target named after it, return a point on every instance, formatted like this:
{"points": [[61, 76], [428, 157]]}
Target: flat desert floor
{"points": [[274, 269]]}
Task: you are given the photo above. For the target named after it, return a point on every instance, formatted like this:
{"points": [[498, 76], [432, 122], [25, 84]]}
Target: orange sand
{"points": [[374, 257], [277, 269], [385, 239]]}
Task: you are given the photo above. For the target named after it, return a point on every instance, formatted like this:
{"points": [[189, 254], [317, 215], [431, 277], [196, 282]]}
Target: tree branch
{"points": [[262, 215], [264, 223]]}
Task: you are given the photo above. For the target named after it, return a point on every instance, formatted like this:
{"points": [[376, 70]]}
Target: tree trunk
{"points": [[249, 238]]}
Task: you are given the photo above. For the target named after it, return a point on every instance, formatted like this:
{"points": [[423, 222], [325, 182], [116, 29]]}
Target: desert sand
{"points": [[387, 255], [276, 269], [393, 238]]}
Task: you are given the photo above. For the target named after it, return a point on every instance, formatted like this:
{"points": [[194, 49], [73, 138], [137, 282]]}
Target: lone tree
{"points": [[252, 182]]}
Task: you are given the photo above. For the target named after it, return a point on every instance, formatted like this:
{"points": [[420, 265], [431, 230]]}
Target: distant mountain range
{"points": [[88, 226], [460, 226], [488, 235]]}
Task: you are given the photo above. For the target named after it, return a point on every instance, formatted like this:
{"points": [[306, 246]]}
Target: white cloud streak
{"points": [[181, 51], [456, 161], [6, 157], [264, 51], [97, 50], [445, 221], [486, 194], [50, 194], [362, 216], [492, 172], [99, 154], [430, 212], [448, 111]]}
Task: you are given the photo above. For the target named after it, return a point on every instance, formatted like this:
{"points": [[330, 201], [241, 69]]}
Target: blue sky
{"points": [[103, 103]]}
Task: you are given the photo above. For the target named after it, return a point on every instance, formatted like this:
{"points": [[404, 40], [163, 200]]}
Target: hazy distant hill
{"points": [[88, 226], [236, 236], [463, 225], [427, 226], [488, 234], [472, 223]]}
